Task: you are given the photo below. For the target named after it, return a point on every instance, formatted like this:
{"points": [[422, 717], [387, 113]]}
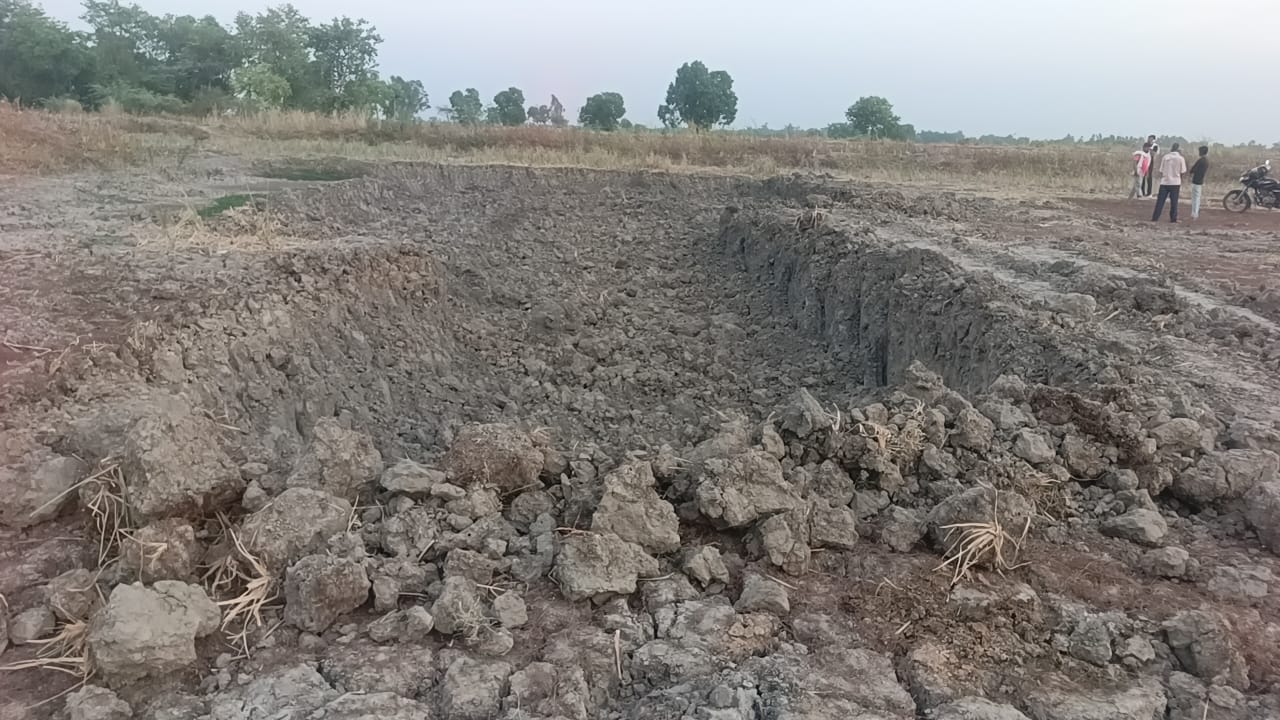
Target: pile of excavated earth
{"points": [[494, 443]]}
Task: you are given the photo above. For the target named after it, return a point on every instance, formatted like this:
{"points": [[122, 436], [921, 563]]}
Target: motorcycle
{"points": [[1266, 191]]}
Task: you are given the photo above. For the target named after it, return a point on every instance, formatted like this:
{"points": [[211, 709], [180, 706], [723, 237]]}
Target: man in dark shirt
{"points": [[1197, 181]]}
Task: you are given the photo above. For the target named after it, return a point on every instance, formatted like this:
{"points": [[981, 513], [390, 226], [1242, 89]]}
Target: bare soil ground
{"points": [[631, 315]]}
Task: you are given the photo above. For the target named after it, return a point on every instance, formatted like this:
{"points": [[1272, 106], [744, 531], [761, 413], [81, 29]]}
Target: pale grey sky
{"points": [[1041, 68]]}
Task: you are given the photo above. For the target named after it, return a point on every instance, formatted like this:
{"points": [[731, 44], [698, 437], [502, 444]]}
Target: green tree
{"points": [[465, 107], [278, 40], [557, 112], [699, 98], [125, 46], [39, 57], [345, 53], [196, 55], [508, 107], [873, 115], [540, 114], [404, 99], [602, 111], [260, 86]]}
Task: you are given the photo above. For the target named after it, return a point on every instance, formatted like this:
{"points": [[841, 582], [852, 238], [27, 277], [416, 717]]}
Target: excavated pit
{"points": [[680, 324]]}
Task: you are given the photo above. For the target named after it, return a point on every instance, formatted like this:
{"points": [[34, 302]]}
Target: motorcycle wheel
{"points": [[1236, 201]]}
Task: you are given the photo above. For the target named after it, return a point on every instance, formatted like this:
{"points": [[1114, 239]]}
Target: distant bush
{"points": [[135, 100], [62, 105]]}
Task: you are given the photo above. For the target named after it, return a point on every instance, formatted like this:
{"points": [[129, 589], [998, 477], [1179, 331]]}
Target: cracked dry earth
{"points": [[492, 442]]}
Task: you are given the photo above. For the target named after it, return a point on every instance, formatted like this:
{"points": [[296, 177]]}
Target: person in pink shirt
{"points": [[1141, 165]]}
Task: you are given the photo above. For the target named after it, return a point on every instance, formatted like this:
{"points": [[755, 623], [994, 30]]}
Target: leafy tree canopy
{"points": [[508, 108], [699, 98], [602, 111], [873, 115], [465, 107], [402, 99]]}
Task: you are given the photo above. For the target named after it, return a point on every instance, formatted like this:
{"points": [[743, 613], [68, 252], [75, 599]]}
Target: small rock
{"points": [[1251, 582], [472, 565], [510, 610], [594, 563], [255, 497], [164, 550], [473, 689], [494, 642], [31, 625], [1183, 435], [705, 565], [319, 589], [396, 576], [978, 505], [1145, 527], [1057, 699], [500, 455], [527, 506], [760, 594], [96, 703], [412, 478], [832, 526], [832, 483], [460, 609], [900, 528], [721, 696], [1091, 642], [1262, 512], [299, 522], [1201, 641], [174, 467], [741, 489], [1170, 562], [1137, 648], [40, 488], [771, 442], [479, 502], [931, 674], [146, 632], [338, 461], [410, 625], [973, 431], [1033, 447], [631, 509], [784, 539], [977, 708], [970, 603], [805, 416], [74, 595]]}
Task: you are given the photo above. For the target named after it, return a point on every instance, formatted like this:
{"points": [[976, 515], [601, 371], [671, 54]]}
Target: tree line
{"points": [[280, 59]]}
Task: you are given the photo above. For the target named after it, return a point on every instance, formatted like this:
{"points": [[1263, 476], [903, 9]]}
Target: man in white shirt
{"points": [[1172, 168]]}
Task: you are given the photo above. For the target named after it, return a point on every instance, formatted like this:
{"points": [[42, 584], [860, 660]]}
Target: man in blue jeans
{"points": [[1172, 168]]}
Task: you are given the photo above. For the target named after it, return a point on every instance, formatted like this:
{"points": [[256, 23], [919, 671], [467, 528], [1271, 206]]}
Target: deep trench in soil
{"points": [[622, 311]]}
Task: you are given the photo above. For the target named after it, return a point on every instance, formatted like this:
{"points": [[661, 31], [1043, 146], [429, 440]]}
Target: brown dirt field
{"points": [[620, 312]]}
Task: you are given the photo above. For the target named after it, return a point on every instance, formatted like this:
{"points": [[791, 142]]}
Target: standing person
{"points": [[1141, 165], [1197, 181], [1154, 152], [1172, 168]]}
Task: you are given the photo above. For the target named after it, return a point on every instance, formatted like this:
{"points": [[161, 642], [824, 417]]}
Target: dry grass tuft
{"points": [[67, 651], [246, 575], [975, 544]]}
